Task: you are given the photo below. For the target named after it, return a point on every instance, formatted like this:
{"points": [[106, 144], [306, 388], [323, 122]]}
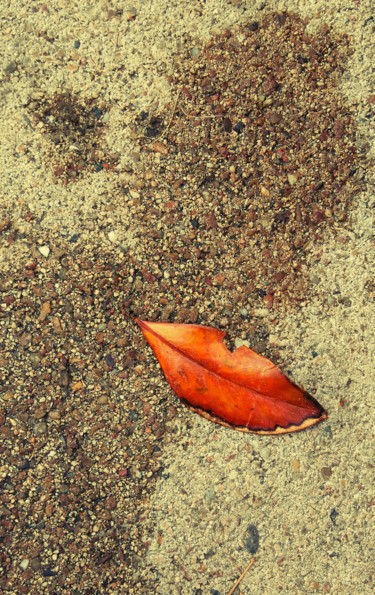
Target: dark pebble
{"points": [[97, 112], [49, 572], [40, 526], [239, 127], [155, 128], [260, 292], [227, 124], [36, 563], [98, 166], [110, 361], [74, 238], [133, 415], [194, 222], [333, 516], [77, 44], [252, 541], [327, 431], [314, 353], [24, 466], [254, 26], [11, 67]]}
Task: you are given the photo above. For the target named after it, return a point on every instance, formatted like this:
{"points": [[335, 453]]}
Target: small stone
{"points": [[268, 300], [24, 564], [211, 221], [161, 148], [111, 503], [49, 572], [210, 494], [238, 342], [239, 127], [45, 311], [146, 408], [296, 464], [4, 224], [40, 428], [274, 118], [326, 472], [36, 563], [44, 250], [292, 179], [77, 386], [56, 325], [103, 400], [252, 540], [109, 360], [112, 236], [227, 125], [100, 337], [64, 378], [218, 279], [49, 509], [333, 516], [131, 13], [7, 396], [253, 26]]}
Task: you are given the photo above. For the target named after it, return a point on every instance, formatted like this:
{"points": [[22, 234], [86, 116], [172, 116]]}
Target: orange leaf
{"points": [[241, 390]]}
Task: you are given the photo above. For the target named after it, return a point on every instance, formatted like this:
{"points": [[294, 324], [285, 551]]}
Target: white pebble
{"points": [[24, 564], [44, 250], [112, 236], [239, 342]]}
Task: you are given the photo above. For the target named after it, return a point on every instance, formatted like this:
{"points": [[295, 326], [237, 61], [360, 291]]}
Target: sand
{"points": [[166, 502]]}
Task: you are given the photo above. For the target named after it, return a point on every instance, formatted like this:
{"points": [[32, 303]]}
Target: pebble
{"points": [[296, 464], [103, 400], [239, 342], [252, 540], [40, 428], [24, 564], [45, 311], [326, 472], [292, 179], [210, 494], [44, 250], [112, 236]]}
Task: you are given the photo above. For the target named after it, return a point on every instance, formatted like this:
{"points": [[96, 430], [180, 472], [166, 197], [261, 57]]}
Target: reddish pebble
{"points": [[268, 300], [211, 220]]}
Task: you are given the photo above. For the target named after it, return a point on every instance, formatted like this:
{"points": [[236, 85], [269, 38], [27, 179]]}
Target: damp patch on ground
{"points": [[74, 131]]}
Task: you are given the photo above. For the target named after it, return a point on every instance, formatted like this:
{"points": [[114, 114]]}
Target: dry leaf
{"points": [[241, 390]]}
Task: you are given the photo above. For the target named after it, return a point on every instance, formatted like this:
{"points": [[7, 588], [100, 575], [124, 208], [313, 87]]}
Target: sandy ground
{"points": [[302, 502]]}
